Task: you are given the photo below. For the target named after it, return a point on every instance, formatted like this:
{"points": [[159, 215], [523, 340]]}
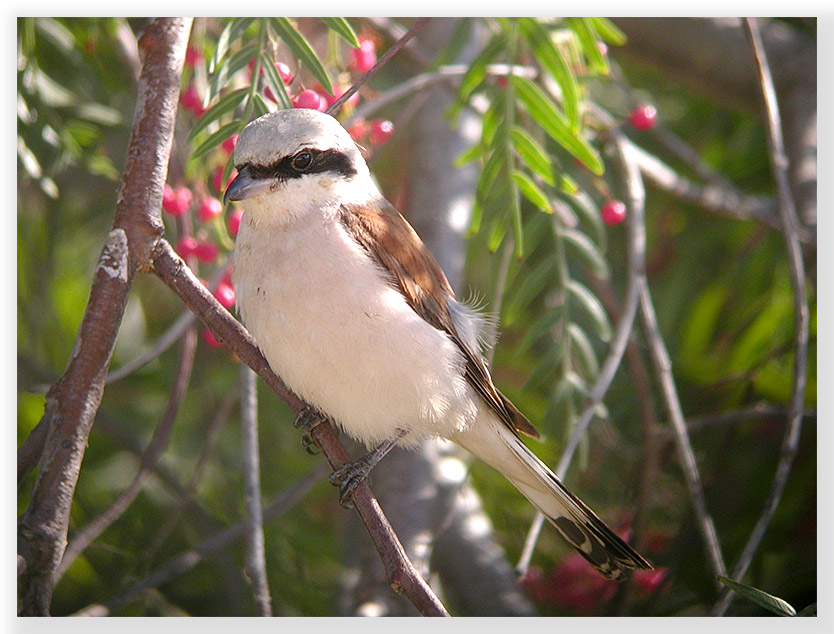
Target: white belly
{"points": [[343, 338]]}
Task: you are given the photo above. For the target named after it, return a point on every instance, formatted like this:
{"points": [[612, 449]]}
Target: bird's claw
{"points": [[306, 420], [348, 477]]}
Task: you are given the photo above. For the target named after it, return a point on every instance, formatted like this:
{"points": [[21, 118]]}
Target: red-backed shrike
{"points": [[355, 315]]}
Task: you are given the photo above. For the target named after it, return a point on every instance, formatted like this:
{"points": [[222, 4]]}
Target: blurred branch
{"points": [[790, 223], [255, 554], [210, 547], [150, 456], [401, 573], [73, 401]]}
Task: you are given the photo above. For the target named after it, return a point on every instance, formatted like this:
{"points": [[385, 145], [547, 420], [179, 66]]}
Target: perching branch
{"points": [[72, 402], [790, 224], [401, 573]]}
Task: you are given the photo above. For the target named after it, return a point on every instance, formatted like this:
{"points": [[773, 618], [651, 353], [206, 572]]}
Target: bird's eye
{"points": [[302, 161]]}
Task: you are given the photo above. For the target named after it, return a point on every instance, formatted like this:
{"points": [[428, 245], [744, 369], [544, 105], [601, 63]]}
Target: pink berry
{"points": [[338, 91], [650, 580], [193, 56], [208, 337], [168, 197], [364, 57], [381, 131], [284, 72], [358, 129], [209, 209], [206, 251], [178, 201], [229, 144], [217, 179], [309, 99], [643, 117], [225, 294], [233, 221], [501, 80], [185, 246], [613, 212], [191, 100]]}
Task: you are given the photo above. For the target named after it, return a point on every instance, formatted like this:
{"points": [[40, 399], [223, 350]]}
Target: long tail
{"points": [[495, 444]]}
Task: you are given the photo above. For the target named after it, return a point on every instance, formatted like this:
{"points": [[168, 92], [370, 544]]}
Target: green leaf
{"points": [[531, 191], [228, 68], [587, 35], [760, 597], [553, 62], [343, 29], [609, 32], [592, 308], [276, 85], [476, 73], [500, 224], [230, 33], [544, 112], [532, 282], [586, 251], [489, 173], [539, 328], [260, 105], [301, 48], [532, 154], [213, 140], [472, 154], [589, 215], [584, 351], [810, 610], [226, 105]]}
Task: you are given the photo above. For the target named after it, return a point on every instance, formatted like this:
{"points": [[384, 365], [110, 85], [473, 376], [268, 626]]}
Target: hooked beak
{"points": [[245, 186]]}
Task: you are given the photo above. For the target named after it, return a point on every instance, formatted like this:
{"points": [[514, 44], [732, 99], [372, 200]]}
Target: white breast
{"points": [[340, 335]]}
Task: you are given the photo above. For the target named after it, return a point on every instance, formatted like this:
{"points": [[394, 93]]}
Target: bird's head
{"points": [[296, 159]]}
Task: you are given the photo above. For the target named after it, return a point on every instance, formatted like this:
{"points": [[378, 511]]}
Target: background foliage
{"points": [[721, 288]]}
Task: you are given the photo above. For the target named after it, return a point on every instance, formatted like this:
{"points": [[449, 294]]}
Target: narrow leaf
{"points": [[224, 106], [553, 62], [301, 48], [476, 73], [343, 29], [609, 32], [231, 32], [531, 284], [588, 40], [586, 251], [584, 351], [229, 67], [532, 154], [276, 85], [531, 191], [592, 308], [213, 140], [545, 113], [760, 597], [472, 154]]}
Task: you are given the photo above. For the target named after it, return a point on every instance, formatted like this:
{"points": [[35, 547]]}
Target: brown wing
{"points": [[394, 244]]}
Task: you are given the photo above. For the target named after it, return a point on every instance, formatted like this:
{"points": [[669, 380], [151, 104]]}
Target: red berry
{"points": [[208, 337], [364, 57], [209, 209], [613, 212], [206, 251], [168, 197], [309, 99], [643, 117], [650, 580], [501, 80], [191, 100], [381, 131], [177, 202], [185, 246], [193, 56], [358, 129], [284, 72], [233, 221], [229, 144], [225, 294], [338, 91], [217, 179]]}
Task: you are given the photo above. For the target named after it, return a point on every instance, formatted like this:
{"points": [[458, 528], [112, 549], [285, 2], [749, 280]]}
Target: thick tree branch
{"points": [[73, 401]]}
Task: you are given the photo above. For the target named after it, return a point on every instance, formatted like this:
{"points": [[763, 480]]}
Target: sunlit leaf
{"points": [[761, 598], [343, 29], [531, 191], [301, 48]]}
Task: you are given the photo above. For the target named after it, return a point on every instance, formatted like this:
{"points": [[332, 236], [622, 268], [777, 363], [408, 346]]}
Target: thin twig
{"points": [[150, 456], [255, 552], [395, 48], [790, 225], [214, 544]]}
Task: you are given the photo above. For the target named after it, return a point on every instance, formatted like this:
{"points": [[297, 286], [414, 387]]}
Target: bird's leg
{"points": [[307, 418], [352, 474]]}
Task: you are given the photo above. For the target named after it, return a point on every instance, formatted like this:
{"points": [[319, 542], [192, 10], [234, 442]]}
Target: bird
{"points": [[352, 311]]}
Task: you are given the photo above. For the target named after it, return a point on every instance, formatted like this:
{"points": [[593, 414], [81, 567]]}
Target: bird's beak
{"points": [[245, 186]]}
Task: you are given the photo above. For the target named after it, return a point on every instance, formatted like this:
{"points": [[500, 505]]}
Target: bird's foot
{"points": [[306, 420], [352, 474]]}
